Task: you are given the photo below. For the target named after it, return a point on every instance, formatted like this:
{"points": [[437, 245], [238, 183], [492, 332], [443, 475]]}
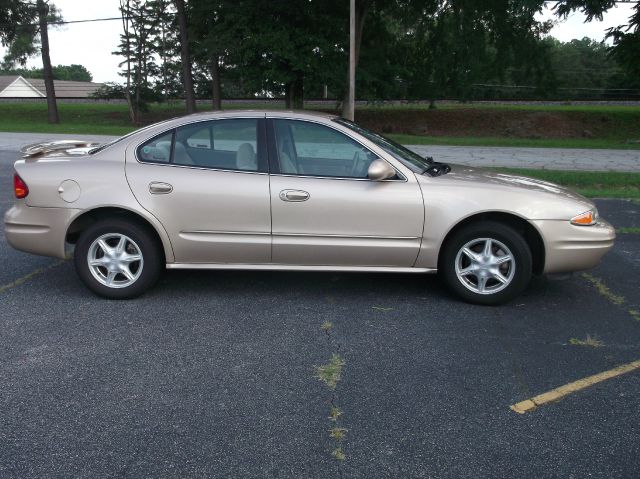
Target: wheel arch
{"points": [[87, 218], [529, 232]]}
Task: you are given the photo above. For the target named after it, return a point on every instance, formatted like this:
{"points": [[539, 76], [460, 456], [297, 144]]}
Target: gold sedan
{"points": [[291, 191]]}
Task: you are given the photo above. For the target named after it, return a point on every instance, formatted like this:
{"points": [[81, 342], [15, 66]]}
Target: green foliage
{"points": [[19, 30], [626, 38], [60, 72], [413, 49], [110, 91]]}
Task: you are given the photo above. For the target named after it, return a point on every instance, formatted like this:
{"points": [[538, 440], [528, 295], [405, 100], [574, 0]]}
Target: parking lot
{"points": [[212, 374]]}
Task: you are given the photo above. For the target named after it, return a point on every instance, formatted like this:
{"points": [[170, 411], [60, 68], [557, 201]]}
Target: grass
{"points": [[628, 230], [338, 433], [339, 454], [380, 308], [113, 119], [326, 326], [589, 341], [604, 290], [593, 184], [331, 373], [555, 107], [93, 119], [600, 143], [334, 414]]}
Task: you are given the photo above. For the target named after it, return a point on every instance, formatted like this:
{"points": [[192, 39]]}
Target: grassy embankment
{"points": [[560, 126]]}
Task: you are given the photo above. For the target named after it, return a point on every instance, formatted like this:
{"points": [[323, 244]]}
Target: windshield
{"points": [[411, 160]]}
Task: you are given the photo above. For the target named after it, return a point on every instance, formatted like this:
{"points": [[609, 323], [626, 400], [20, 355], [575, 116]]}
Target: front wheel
{"points": [[486, 263], [118, 259]]}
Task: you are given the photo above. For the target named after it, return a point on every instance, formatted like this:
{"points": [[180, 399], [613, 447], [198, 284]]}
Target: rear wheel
{"points": [[486, 263], [118, 259]]}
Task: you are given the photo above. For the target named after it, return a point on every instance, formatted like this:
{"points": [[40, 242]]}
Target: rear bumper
{"points": [[38, 230], [571, 248]]}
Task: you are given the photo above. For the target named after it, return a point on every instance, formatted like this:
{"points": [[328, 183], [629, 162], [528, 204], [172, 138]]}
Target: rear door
{"points": [[208, 184], [325, 210]]}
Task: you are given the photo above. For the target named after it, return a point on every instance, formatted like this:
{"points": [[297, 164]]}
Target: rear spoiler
{"points": [[41, 149]]}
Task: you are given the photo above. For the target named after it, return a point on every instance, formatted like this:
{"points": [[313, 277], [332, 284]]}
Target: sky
{"points": [[91, 44]]}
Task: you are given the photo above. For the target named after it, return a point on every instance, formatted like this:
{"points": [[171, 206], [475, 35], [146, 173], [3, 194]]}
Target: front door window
{"points": [[309, 149]]}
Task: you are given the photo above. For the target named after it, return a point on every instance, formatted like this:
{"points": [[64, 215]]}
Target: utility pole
{"points": [[351, 97]]}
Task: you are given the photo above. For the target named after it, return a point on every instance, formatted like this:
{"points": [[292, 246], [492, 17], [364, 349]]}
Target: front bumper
{"points": [[38, 230], [571, 248]]}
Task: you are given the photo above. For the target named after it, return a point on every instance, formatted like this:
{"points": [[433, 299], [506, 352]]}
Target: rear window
{"points": [[157, 150]]}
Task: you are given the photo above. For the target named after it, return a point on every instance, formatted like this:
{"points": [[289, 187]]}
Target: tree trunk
{"points": [[298, 93], [215, 83], [294, 93], [185, 54], [52, 106], [288, 95], [362, 7]]}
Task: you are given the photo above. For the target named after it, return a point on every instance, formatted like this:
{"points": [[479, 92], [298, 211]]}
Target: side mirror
{"points": [[380, 170]]}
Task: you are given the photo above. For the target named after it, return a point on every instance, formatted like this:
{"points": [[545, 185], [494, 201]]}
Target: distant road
{"points": [[513, 157], [537, 158]]}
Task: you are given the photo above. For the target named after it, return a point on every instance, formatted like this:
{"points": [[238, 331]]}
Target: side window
{"points": [[156, 150], [225, 144], [306, 148]]}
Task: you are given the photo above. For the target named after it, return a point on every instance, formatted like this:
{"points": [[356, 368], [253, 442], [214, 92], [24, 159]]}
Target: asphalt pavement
{"points": [[212, 374]]}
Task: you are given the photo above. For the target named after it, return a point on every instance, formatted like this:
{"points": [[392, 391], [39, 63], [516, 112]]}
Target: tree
{"points": [[138, 22], [72, 72], [211, 34], [24, 30], [60, 72], [626, 38], [185, 54]]}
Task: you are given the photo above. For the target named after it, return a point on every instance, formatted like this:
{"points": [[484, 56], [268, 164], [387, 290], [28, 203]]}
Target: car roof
{"points": [[270, 113]]}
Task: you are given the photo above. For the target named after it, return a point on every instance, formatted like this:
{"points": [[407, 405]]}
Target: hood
{"points": [[59, 149], [488, 177]]}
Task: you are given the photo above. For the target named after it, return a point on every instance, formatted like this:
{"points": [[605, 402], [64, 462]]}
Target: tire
{"points": [[486, 279], [118, 273]]}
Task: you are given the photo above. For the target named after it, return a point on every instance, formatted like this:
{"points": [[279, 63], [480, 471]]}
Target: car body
{"points": [[292, 191]]}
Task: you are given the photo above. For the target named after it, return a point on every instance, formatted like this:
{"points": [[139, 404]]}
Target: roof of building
{"points": [[63, 88], [7, 80], [67, 89]]}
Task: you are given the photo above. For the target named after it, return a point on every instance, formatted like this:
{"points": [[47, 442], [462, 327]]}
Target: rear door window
{"points": [[230, 144], [227, 144]]}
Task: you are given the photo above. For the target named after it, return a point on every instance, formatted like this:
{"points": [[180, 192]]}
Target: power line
{"points": [[67, 22]]}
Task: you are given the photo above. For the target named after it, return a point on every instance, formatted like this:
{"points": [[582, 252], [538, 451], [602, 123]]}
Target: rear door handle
{"points": [[294, 195], [160, 188]]}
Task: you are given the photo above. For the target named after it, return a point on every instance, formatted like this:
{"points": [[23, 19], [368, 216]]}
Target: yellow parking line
{"points": [[558, 393], [27, 277]]}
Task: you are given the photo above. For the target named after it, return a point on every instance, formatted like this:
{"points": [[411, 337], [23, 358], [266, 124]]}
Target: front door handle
{"points": [[160, 188], [294, 195]]}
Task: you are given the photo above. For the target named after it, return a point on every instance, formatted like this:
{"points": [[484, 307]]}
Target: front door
{"points": [[325, 210], [208, 185]]}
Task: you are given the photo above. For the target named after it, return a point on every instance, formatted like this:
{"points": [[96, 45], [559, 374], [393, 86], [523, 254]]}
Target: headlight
{"points": [[587, 218]]}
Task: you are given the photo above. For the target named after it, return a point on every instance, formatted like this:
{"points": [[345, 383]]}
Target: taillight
{"points": [[20, 188]]}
